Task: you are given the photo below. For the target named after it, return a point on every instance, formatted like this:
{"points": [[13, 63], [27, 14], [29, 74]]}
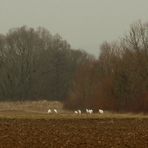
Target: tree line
{"points": [[34, 64], [118, 79]]}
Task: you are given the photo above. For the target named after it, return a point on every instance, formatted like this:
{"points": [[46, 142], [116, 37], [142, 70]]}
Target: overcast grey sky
{"points": [[83, 23]]}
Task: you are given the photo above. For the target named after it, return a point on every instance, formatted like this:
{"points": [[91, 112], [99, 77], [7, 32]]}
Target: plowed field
{"points": [[73, 133]]}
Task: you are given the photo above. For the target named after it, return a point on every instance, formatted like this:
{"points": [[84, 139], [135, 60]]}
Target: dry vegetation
{"points": [[32, 106], [38, 110]]}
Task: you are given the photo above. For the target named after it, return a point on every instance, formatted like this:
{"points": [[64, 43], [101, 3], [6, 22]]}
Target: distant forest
{"points": [[36, 65]]}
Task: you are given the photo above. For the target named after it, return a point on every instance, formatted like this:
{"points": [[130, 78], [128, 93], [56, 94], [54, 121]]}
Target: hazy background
{"points": [[84, 24]]}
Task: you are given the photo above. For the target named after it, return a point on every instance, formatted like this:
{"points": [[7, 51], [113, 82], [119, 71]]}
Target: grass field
{"points": [[38, 110], [27, 124]]}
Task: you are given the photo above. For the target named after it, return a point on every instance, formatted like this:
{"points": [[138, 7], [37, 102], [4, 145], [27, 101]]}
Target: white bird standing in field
{"points": [[90, 111], [79, 111], [101, 111], [87, 110], [76, 112], [55, 111], [49, 111]]}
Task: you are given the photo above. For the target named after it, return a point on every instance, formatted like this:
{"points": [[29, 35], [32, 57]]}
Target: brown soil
{"points": [[74, 133]]}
